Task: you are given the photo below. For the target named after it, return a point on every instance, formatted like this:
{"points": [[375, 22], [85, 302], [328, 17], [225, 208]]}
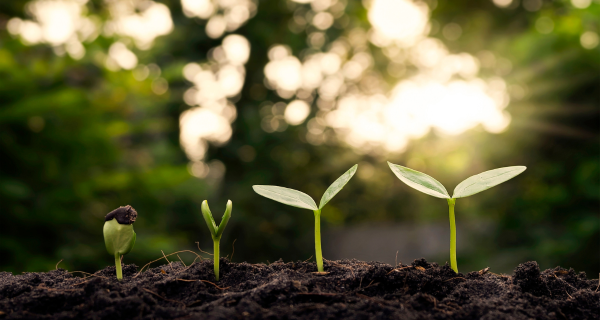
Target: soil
{"points": [[350, 290]]}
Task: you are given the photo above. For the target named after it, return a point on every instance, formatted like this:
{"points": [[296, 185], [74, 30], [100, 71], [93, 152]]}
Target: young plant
{"points": [[119, 236], [468, 187], [299, 199], [216, 232]]}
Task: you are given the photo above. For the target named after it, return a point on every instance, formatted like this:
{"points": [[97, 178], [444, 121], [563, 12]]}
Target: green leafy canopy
{"points": [[468, 187], [299, 199]]}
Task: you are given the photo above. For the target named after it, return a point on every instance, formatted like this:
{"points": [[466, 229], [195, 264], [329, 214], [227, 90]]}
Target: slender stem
{"points": [[216, 256], [118, 266], [453, 265], [318, 252]]}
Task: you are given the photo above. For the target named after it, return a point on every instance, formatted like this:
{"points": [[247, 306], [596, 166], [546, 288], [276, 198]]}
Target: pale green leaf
{"points": [[208, 218], [337, 185], [486, 180], [225, 218], [118, 238], [419, 181], [290, 197], [215, 231]]}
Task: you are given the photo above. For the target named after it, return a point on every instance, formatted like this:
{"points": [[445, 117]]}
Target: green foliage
{"points": [[77, 139], [486, 180], [301, 200], [472, 185], [337, 186], [287, 196], [119, 240], [420, 181], [216, 232]]}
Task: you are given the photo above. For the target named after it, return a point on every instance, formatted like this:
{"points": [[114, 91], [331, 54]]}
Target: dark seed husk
{"points": [[124, 215]]}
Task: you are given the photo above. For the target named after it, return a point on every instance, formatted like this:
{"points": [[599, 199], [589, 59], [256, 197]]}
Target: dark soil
{"points": [[351, 290]]}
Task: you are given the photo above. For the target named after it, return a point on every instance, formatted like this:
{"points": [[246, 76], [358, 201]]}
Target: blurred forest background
{"points": [[162, 104]]}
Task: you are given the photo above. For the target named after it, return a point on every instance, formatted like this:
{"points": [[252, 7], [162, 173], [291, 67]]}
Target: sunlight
{"points": [[284, 72], [589, 40], [60, 23], [215, 82], [222, 15], [296, 112], [445, 93], [122, 56], [152, 21], [403, 21], [202, 9], [199, 125], [502, 3], [237, 49], [63, 24], [414, 109], [212, 114]]}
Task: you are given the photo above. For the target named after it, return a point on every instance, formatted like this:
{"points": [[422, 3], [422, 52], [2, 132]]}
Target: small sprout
{"points": [[119, 236], [215, 232], [468, 187], [299, 199]]}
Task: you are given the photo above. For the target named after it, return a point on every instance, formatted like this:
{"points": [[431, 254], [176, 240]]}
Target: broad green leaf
{"points": [[419, 181], [486, 180], [337, 185], [290, 197]]}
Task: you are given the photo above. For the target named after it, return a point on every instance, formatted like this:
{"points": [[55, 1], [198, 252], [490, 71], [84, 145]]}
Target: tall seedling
{"points": [[299, 199], [216, 232], [468, 187]]}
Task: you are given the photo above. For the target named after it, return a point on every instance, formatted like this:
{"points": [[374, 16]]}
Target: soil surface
{"points": [[350, 290]]}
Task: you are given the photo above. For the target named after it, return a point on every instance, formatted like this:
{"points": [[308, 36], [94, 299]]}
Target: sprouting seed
{"points": [[468, 187], [299, 199], [119, 236], [216, 232]]}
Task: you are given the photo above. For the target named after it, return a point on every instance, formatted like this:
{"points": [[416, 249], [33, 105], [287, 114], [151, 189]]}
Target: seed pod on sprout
{"points": [[119, 236]]}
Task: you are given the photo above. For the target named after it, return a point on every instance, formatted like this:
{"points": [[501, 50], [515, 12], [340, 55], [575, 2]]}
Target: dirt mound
{"points": [[350, 290]]}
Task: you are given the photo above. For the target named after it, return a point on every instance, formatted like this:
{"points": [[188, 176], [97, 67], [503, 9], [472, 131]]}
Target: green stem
{"points": [[453, 265], [318, 252], [216, 256], [118, 266]]}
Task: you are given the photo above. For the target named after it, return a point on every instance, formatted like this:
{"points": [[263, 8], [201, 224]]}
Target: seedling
{"points": [[215, 232], [299, 199], [119, 236], [468, 187]]}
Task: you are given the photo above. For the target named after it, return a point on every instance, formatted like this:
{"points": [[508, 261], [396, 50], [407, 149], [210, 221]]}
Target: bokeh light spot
{"points": [[544, 25], [122, 56], [589, 40], [401, 20], [502, 3], [581, 4], [296, 112]]}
